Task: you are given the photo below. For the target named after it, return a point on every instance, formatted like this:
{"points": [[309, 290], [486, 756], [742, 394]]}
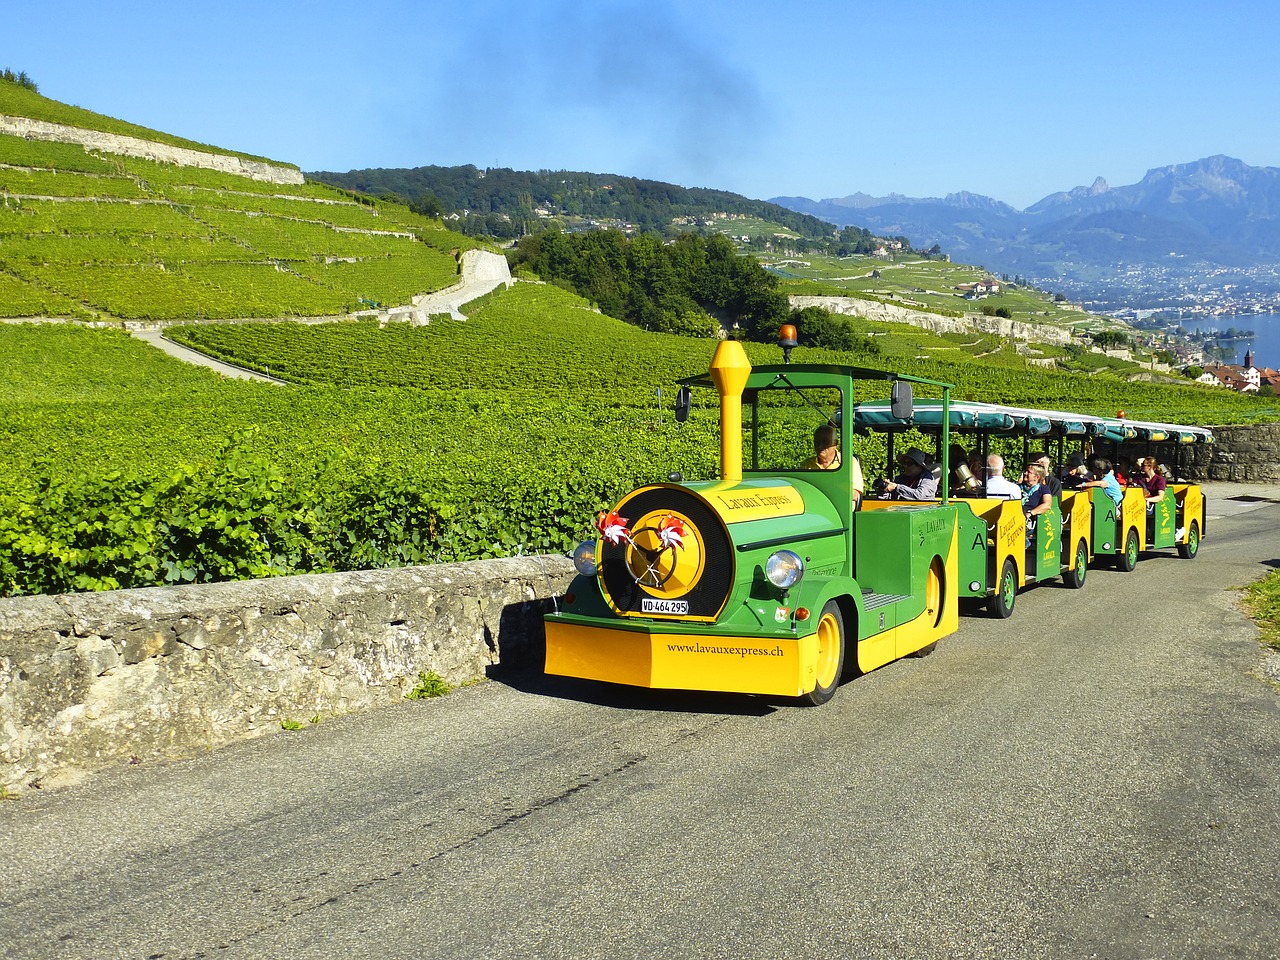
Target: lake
{"points": [[1265, 343]]}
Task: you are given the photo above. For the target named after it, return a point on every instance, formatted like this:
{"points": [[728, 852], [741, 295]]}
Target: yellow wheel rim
{"points": [[933, 592], [828, 650]]}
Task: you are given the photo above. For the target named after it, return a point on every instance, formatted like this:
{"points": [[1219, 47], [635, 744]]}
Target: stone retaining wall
{"points": [[91, 680], [971, 322], [149, 150], [1239, 454]]}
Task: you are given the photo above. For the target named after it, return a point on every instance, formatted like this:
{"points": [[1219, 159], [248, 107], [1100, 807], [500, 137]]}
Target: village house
{"points": [[1244, 378], [979, 289]]}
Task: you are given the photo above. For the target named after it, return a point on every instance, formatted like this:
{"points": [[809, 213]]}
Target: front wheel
{"points": [[1189, 549], [1129, 559], [830, 656], [1074, 578], [1000, 605]]}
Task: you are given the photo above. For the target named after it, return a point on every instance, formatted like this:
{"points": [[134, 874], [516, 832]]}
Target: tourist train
{"points": [[775, 579]]}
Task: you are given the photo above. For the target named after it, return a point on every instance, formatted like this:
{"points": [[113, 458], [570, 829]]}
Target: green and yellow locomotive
{"points": [[766, 581]]}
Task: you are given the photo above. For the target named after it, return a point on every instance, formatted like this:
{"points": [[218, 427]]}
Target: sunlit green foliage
{"points": [[1263, 599], [501, 434]]}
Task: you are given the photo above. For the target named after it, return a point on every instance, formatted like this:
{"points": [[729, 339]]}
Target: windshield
{"points": [[791, 428]]}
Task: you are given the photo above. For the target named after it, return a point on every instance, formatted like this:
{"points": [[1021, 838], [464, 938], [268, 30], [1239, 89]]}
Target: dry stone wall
{"points": [[1239, 454], [891, 313], [149, 150], [91, 680]]}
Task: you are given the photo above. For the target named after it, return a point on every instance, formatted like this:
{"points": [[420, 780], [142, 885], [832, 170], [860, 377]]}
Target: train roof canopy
{"points": [[821, 369], [998, 418]]}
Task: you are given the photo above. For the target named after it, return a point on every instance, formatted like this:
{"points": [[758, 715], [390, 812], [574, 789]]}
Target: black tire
{"points": [[830, 656], [1188, 550], [1000, 604], [1128, 558], [925, 651], [1075, 578]]}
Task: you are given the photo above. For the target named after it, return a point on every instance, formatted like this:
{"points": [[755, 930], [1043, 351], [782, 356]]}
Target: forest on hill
{"points": [[506, 204]]}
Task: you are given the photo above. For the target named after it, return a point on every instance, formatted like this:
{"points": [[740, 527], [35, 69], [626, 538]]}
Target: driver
{"points": [[826, 456]]}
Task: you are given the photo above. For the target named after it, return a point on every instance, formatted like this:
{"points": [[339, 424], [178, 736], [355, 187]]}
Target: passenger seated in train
{"points": [[1000, 487], [1105, 478], [1152, 481], [1124, 472], [915, 482], [1037, 499], [1076, 473], [1049, 480]]}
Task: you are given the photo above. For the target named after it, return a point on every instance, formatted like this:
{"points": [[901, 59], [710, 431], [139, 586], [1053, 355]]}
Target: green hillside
{"points": [[17, 100], [98, 236], [120, 466], [512, 203]]}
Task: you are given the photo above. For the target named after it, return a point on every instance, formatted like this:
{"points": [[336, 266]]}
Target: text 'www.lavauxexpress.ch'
{"points": [[730, 651]]}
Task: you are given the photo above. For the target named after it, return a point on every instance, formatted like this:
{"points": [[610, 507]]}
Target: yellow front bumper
{"points": [[774, 666]]}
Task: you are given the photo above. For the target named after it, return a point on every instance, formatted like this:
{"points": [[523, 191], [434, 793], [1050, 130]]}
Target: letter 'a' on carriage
{"points": [[766, 580], [1000, 551]]}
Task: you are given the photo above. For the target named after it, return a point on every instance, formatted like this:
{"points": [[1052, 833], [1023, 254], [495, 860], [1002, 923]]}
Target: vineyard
{"points": [[84, 236], [453, 441]]}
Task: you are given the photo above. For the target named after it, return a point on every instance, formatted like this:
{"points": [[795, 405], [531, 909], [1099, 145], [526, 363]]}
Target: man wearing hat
{"points": [[1077, 473], [916, 482]]}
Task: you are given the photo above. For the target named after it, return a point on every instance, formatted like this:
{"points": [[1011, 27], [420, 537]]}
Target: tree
{"points": [[20, 78], [428, 205], [1108, 339]]}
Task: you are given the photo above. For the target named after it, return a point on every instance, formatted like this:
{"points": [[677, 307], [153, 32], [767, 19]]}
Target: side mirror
{"points": [[684, 402], [901, 405]]}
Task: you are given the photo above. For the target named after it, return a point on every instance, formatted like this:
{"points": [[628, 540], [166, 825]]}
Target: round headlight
{"points": [[784, 569], [584, 558]]}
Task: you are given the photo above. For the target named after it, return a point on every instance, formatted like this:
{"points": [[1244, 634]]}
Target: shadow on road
{"points": [[619, 697]]}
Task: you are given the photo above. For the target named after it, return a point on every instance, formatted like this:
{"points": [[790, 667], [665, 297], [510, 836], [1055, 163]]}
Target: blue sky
{"points": [[821, 99]]}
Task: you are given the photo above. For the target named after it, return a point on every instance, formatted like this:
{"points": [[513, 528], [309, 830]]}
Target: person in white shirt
{"points": [[1000, 487]]}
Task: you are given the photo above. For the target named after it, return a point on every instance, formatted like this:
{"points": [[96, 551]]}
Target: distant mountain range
{"points": [[1178, 221]]}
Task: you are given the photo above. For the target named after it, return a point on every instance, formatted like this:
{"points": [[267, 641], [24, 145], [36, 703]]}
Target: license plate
{"points": [[650, 605]]}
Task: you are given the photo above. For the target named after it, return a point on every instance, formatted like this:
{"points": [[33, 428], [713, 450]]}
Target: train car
{"points": [[1088, 524], [1005, 553], [767, 580], [1178, 520]]}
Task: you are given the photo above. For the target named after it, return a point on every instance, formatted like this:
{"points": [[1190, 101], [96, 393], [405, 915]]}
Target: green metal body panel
{"points": [[974, 575], [893, 548], [1106, 532], [1044, 557]]}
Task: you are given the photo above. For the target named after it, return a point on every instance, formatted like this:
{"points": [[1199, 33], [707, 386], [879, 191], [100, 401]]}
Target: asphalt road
{"points": [[1098, 776]]}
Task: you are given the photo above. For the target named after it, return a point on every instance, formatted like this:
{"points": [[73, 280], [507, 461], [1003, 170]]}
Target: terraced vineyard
{"points": [[87, 236]]}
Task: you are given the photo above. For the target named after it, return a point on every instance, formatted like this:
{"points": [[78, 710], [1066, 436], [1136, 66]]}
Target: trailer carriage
{"points": [[1086, 524]]}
